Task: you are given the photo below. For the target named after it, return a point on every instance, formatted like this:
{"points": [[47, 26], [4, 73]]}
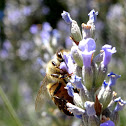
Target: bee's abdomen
{"points": [[60, 96], [61, 103]]}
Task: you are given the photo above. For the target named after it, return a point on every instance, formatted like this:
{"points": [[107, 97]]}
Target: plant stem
{"points": [[10, 108]]}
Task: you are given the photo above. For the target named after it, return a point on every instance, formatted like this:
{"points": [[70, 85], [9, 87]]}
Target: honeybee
{"points": [[54, 83]]}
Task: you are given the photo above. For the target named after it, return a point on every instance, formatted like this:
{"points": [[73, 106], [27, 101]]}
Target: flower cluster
{"points": [[96, 103]]}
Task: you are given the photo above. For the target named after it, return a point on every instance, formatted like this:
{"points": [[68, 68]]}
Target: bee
{"points": [[54, 83]]}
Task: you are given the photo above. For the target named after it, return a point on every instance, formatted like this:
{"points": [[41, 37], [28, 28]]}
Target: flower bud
{"points": [[85, 95], [77, 100], [75, 32], [76, 53], [105, 95], [101, 74], [87, 75], [78, 71]]}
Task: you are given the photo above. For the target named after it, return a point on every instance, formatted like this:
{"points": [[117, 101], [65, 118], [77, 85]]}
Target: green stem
{"points": [[9, 108]]}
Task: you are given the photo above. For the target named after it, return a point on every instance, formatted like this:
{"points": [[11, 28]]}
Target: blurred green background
{"points": [[31, 29]]}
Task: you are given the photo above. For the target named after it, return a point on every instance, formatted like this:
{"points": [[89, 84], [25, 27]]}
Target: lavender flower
{"points": [[45, 33], [86, 85], [77, 81], [87, 47], [45, 10], [34, 29], [108, 123], [113, 78], [68, 64], [27, 10], [56, 33], [3, 54], [89, 108], [107, 53], [69, 88], [46, 27], [66, 16], [87, 56], [87, 44], [93, 16], [63, 66], [120, 104]]}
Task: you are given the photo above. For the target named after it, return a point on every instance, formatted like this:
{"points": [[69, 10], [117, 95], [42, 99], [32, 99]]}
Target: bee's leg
{"points": [[59, 76], [55, 75], [54, 64]]}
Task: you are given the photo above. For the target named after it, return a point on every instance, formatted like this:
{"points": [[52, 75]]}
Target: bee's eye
{"points": [[59, 55]]}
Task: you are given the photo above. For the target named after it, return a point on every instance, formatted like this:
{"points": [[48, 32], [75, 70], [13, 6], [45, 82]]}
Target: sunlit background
{"points": [[32, 30]]}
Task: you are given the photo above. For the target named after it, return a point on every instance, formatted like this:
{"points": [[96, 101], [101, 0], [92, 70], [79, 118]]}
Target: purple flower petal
{"points": [[108, 123], [105, 84], [75, 110], [107, 54], [92, 16], [27, 10], [87, 58], [4, 54], [34, 29], [46, 27], [78, 116], [113, 78], [77, 81], [56, 33], [45, 10], [69, 62], [7, 45], [69, 88], [66, 16], [120, 104], [87, 44], [89, 108], [63, 66]]}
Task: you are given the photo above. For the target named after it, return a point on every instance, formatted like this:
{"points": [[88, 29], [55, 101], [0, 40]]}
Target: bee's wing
{"points": [[40, 99]]}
